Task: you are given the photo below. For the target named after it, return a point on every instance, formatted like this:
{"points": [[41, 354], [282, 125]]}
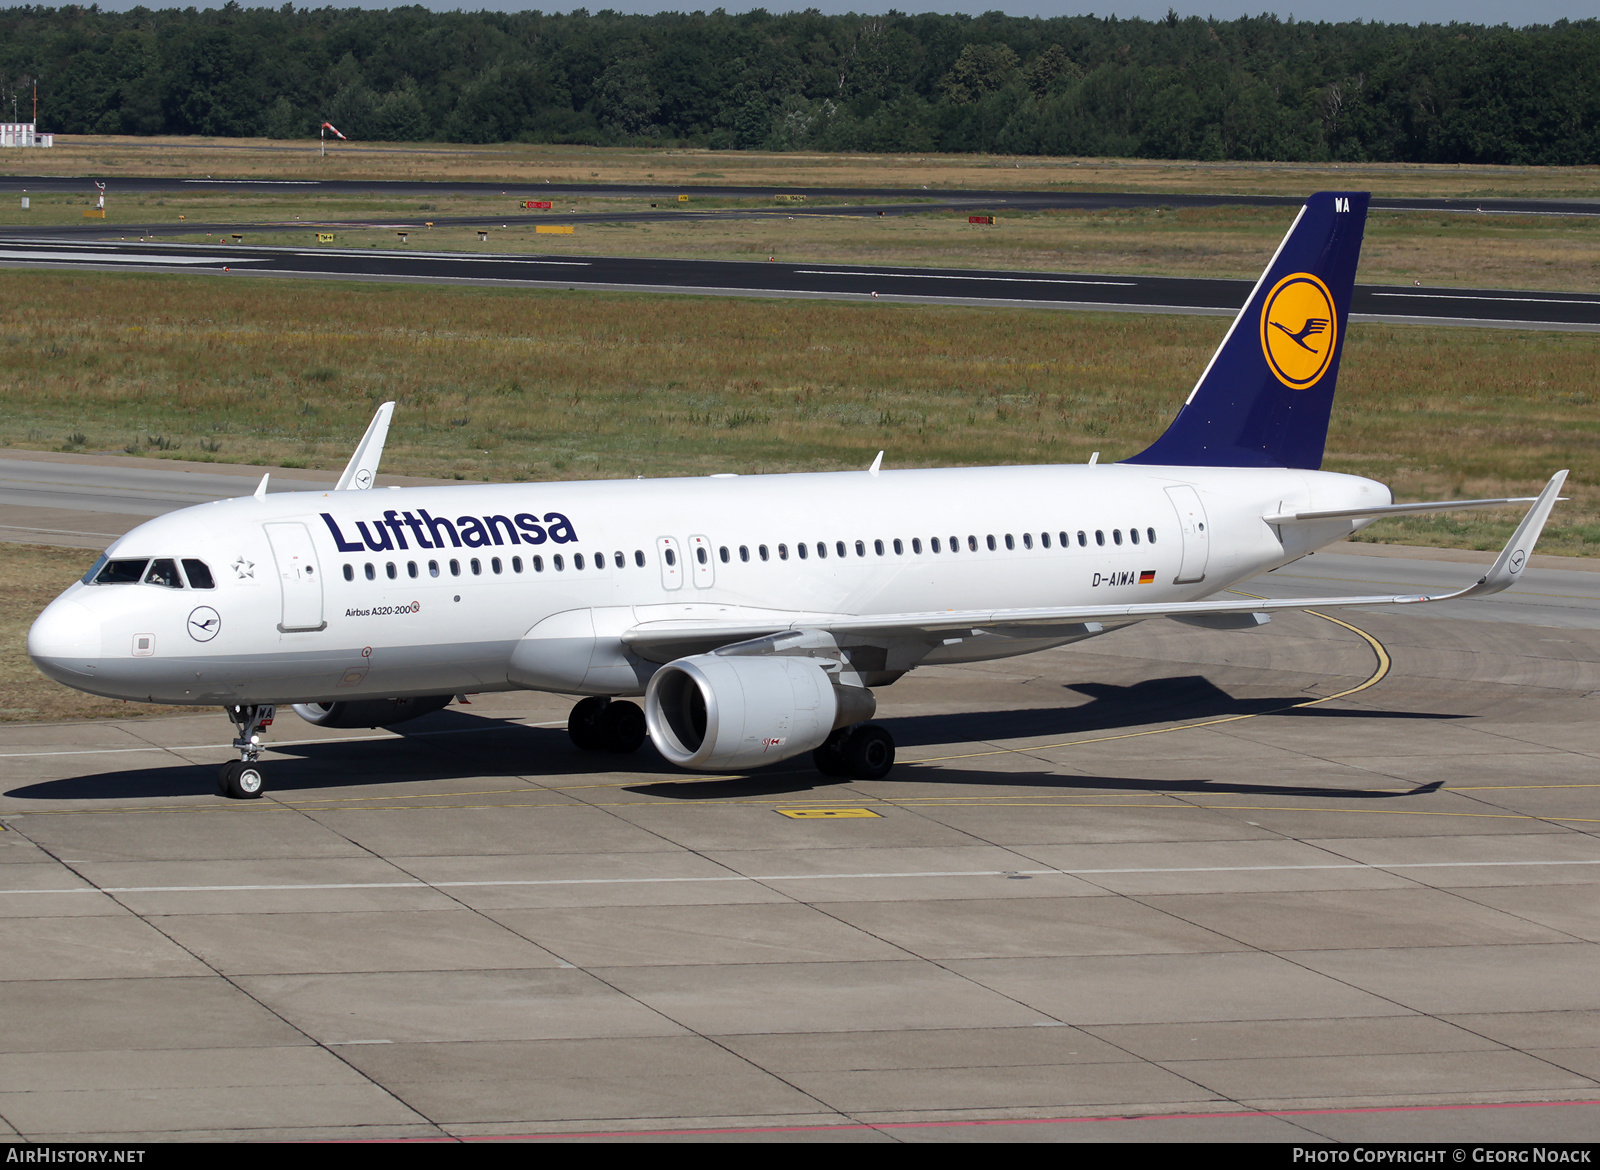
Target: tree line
{"points": [[1254, 88]]}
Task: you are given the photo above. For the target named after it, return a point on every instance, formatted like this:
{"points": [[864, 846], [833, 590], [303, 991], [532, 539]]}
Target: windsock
{"points": [[335, 129]]}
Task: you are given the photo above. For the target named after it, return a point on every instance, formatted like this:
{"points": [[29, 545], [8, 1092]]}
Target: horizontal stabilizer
{"points": [[1395, 510]]}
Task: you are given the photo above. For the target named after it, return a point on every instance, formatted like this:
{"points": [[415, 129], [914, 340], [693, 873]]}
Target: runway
{"points": [[1322, 881], [1082, 291]]}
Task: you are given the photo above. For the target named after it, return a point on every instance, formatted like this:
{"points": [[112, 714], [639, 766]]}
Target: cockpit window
{"points": [[199, 574], [164, 571], [94, 569], [121, 572]]}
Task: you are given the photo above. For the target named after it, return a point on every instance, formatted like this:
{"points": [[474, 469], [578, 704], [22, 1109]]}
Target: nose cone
{"points": [[64, 642]]}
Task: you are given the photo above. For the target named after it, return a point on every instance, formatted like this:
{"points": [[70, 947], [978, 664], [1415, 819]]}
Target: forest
{"points": [[1189, 88]]}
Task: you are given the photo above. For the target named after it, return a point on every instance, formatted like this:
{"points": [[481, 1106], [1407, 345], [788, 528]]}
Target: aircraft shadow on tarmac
{"points": [[452, 744]]}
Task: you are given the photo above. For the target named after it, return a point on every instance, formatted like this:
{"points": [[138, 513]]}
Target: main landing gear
{"points": [[599, 724], [862, 752], [241, 779]]}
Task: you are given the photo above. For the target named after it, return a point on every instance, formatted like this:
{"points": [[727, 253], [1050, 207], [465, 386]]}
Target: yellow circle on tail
{"points": [[1299, 329]]}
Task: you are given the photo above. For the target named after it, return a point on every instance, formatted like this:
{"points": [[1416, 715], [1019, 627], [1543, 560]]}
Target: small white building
{"points": [[23, 134]]}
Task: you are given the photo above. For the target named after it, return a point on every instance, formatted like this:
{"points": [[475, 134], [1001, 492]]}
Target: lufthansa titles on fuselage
{"points": [[430, 531]]}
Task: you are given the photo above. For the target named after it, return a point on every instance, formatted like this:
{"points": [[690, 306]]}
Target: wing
{"points": [[907, 638]]}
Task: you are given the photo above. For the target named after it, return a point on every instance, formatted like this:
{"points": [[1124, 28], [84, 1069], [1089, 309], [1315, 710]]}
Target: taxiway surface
{"points": [[848, 282], [1323, 880]]}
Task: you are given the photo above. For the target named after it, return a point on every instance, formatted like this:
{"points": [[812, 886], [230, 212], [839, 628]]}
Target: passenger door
{"points": [[1196, 540], [299, 576]]}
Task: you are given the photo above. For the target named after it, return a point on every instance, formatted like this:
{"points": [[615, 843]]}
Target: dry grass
{"points": [[514, 163], [30, 578], [504, 384]]}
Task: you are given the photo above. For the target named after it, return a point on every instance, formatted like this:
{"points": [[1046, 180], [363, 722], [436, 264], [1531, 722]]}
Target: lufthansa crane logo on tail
{"points": [[1299, 329]]}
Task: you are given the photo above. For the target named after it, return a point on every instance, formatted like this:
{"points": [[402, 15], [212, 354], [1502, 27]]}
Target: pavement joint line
{"points": [[801, 877], [1171, 806], [985, 1122], [200, 747]]}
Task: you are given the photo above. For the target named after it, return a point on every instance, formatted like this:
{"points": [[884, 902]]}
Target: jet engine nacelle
{"points": [[369, 712], [723, 713]]}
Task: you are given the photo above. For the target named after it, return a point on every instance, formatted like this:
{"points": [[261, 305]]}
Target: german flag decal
{"points": [[1147, 577]]}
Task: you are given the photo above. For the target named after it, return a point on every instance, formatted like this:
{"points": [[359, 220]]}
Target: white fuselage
{"points": [[426, 591]]}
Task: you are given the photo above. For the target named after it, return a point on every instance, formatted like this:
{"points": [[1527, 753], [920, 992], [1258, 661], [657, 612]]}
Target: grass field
{"points": [[1401, 248], [513, 163], [510, 384]]}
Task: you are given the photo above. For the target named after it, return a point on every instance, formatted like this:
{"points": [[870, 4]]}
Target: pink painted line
{"points": [[862, 1126]]}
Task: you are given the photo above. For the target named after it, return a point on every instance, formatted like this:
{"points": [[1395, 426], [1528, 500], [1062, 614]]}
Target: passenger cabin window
{"points": [[561, 566], [722, 554], [761, 551], [1133, 535], [1116, 536], [372, 574], [433, 568], [1027, 540], [638, 557], [990, 540], [744, 553], [577, 560], [390, 570], [538, 563], [199, 574], [349, 573], [1083, 541], [1151, 533], [1099, 537], [455, 567], [1044, 540], [916, 545], [516, 564]]}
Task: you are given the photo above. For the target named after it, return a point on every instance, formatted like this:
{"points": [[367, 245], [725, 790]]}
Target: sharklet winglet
{"points": [[362, 470]]}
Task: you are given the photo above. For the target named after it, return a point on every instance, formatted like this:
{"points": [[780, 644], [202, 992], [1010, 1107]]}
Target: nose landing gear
{"points": [[241, 779]]}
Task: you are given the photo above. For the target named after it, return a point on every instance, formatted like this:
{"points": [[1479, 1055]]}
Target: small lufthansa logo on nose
{"points": [[204, 623], [1298, 330]]}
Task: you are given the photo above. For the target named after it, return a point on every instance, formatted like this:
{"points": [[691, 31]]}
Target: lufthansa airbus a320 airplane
{"points": [[754, 614]]}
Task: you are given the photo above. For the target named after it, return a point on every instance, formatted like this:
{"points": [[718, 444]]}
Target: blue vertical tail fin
{"points": [[1265, 398]]}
